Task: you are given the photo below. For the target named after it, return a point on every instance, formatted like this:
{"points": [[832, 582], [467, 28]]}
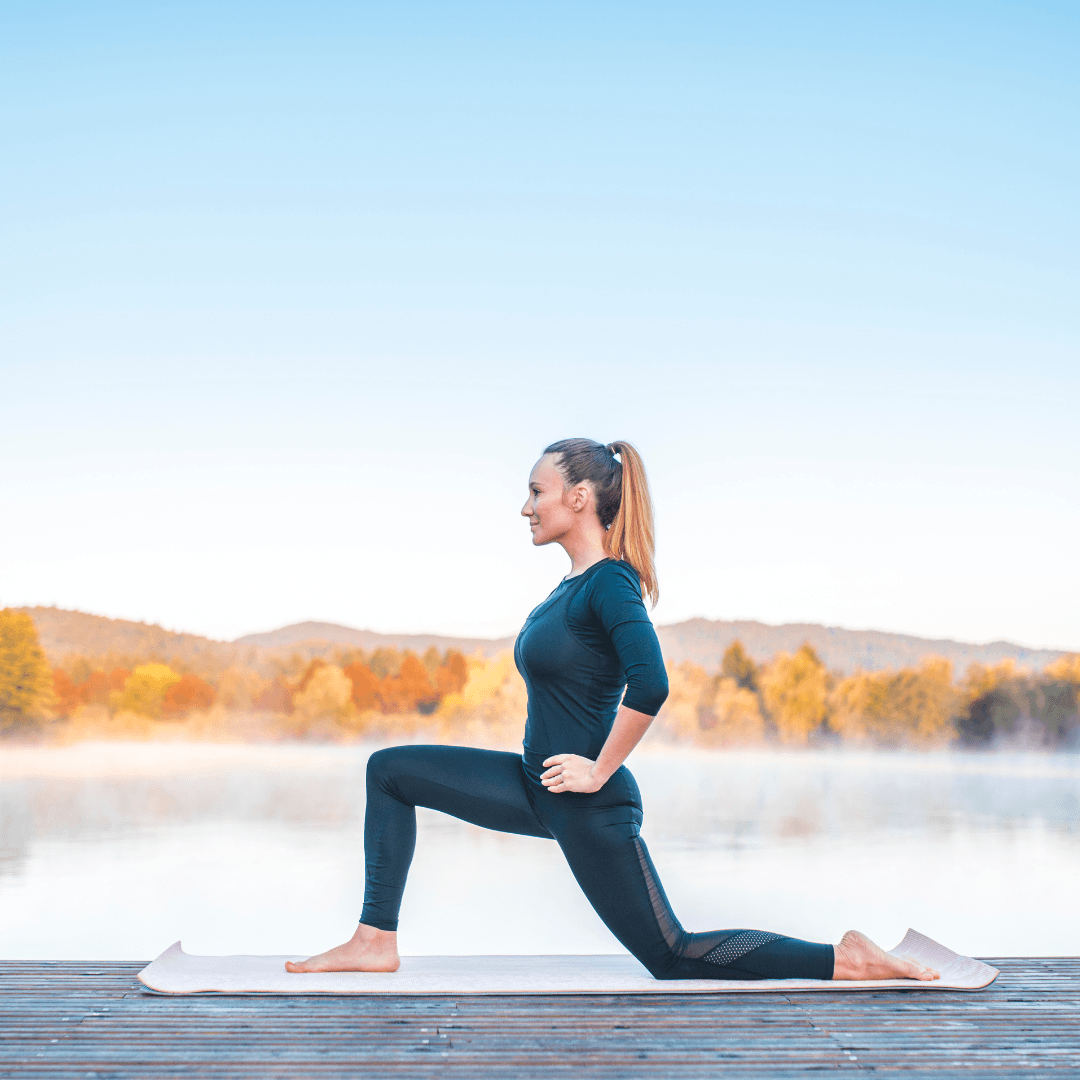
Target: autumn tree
{"points": [[366, 687], [911, 707], [100, 686], [25, 676], [144, 692], [737, 665], [189, 693], [452, 674], [410, 690], [1066, 669], [66, 696], [326, 695], [309, 672], [729, 714], [795, 691]]}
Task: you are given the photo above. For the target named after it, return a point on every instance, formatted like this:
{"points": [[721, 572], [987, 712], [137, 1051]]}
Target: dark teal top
{"points": [[587, 642]]}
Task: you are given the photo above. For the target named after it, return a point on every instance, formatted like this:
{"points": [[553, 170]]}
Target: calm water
{"points": [[115, 851]]}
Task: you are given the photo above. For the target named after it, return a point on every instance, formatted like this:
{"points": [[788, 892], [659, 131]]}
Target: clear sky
{"points": [[291, 296]]}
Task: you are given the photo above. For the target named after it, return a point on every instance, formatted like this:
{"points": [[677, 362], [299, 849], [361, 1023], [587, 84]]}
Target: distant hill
{"points": [[701, 641], [63, 633], [306, 634]]}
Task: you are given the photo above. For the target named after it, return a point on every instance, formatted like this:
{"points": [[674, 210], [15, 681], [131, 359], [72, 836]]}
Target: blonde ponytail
{"points": [[631, 536]]}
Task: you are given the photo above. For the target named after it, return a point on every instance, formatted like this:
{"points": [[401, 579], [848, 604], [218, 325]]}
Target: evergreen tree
{"points": [[737, 665]]}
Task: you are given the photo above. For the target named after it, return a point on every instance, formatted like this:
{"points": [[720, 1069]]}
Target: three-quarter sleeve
{"points": [[615, 600]]}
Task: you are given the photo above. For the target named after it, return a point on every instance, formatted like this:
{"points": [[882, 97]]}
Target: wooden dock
{"points": [[82, 1020]]}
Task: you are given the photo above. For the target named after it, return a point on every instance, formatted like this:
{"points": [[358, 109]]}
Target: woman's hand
{"points": [[570, 772]]}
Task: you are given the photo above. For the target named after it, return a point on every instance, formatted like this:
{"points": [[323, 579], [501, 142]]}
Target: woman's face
{"points": [[551, 515]]}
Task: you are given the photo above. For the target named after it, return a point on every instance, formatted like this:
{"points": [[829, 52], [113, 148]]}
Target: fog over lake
{"points": [[114, 851]]}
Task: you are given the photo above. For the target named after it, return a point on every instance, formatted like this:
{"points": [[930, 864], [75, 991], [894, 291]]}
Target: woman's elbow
{"points": [[648, 696], [660, 689]]}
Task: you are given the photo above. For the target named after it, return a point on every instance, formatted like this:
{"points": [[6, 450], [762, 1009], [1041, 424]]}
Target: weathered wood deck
{"points": [[68, 1020]]}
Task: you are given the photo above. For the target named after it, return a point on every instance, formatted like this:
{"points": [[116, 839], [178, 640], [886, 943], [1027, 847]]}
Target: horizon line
{"points": [[513, 634]]}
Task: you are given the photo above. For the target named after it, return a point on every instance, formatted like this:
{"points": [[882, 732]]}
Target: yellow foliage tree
{"points": [[729, 715], [327, 696], [912, 707], [25, 676], [795, 690], [982, 679], [145, 689], [1066, 669]]}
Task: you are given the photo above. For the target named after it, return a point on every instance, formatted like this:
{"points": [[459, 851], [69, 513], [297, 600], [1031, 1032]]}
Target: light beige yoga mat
{"points": [[175, 972]]}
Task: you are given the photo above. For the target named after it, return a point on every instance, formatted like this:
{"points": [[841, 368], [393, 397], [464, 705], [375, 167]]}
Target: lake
{"points": [[114, 851]]}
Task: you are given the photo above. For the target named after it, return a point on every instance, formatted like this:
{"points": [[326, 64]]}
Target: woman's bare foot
{"points": [[857, 957], [368, 950]]}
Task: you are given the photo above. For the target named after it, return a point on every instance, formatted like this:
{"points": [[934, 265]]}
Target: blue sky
{"points": [[292, 295]]}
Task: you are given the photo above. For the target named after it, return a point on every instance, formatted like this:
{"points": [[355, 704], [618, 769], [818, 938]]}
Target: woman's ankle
{"points": [[373, 933]]}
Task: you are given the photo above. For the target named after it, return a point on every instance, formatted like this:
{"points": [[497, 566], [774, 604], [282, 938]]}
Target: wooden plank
{"points": [[68, 1019]]}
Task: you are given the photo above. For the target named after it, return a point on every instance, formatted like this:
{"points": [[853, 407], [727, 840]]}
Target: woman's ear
{"points": [[579, 498]]}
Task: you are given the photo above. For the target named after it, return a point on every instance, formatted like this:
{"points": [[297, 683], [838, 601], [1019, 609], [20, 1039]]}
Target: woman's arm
{"points": [[571, 772]]}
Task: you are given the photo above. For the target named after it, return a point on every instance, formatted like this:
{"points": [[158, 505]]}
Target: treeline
{"points": [[303, 697], [792, 700]]}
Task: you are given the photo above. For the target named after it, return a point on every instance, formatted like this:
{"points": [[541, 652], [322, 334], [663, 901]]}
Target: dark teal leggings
{"points": [[598, 834]]}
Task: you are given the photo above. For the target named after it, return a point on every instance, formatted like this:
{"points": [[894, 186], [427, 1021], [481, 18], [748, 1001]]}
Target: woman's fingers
{"points": [[556, 763], [568, 772]]}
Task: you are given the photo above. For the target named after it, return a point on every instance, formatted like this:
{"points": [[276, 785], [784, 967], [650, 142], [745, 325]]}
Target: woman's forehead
{"points": [[545, 469]]}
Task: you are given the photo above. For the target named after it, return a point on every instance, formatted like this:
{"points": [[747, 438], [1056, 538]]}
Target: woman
{"points": [[586, 644]]}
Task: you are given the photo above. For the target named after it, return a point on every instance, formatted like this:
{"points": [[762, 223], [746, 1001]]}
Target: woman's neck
{"points": [[588, 551]]}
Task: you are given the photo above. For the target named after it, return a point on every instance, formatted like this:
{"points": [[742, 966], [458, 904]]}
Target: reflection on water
{"points": [[114, 851]]}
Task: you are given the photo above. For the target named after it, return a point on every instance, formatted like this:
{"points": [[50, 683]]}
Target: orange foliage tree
{"points": [[189, 693], [366, 687], [66, 695], [410, 690], [452, 674]]}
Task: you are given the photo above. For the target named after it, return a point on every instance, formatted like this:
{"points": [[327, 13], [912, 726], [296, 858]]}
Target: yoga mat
{"points": [[176, 972]]}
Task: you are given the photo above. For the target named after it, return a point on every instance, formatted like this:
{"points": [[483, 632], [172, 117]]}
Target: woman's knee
{"points": [[384, 765]]}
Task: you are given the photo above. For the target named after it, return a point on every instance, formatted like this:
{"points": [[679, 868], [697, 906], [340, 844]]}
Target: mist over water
{"points": [[113, 851]]}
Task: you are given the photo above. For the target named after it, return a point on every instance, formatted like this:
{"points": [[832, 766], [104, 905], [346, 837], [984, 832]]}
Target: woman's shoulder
{"points": [[615, 575]]}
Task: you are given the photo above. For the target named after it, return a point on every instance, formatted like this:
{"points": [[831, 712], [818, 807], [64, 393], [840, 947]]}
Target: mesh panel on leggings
{"points": [[668, 927], [738, 945]]}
